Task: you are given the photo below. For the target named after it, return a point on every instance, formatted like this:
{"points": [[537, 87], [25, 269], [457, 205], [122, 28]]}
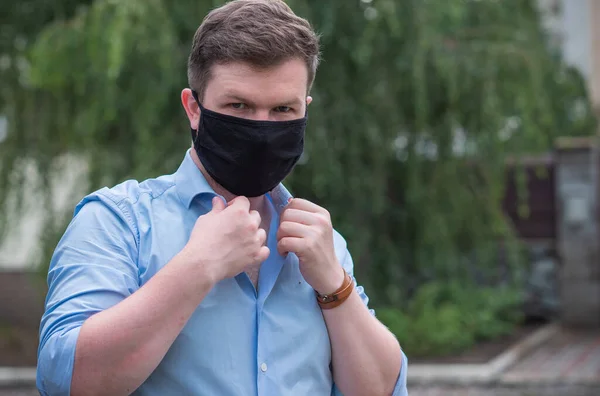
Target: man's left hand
{"points": [[305, 229]]}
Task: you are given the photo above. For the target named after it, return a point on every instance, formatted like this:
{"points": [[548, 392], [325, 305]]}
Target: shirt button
{"points": [[263, 367]]}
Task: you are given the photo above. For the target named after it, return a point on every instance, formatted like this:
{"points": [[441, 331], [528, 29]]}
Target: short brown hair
{"points": [[263, 33]]}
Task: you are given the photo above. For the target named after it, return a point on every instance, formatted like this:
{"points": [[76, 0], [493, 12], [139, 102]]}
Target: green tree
{"points": [[417, 104]]}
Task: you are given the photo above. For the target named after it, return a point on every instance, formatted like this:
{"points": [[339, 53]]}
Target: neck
{"points": [[256, 203]]}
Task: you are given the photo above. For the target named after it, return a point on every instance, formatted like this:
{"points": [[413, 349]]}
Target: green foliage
{"points": [[444, 318], [416, 106]]}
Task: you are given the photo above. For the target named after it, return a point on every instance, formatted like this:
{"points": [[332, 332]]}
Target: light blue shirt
{"points": [[238, 342]]}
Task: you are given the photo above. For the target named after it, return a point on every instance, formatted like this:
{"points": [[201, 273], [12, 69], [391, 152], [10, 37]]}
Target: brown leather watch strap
{"points": [[336, 298]]}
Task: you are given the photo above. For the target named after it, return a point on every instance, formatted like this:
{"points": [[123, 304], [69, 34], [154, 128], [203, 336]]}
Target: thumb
{"points": [[217, 204]]}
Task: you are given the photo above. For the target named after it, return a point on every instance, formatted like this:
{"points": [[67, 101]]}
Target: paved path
{"points": [[440, 391], [19, 392], [563, 390], [570, 356], [570, 390]]}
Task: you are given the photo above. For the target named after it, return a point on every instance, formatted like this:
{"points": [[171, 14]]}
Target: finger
{"points": [[262, 254], [218, 204], [240, 202], [298, 216], [303, 204], [255, 217], [290, 244], [281, 250], [291, 229], [261, 236]]}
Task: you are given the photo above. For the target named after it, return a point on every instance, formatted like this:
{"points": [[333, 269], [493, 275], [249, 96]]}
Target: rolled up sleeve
{"points": [[401, 389], [94, 267]]}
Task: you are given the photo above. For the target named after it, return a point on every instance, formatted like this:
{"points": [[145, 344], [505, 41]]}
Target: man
{"points": [[205, 282]]}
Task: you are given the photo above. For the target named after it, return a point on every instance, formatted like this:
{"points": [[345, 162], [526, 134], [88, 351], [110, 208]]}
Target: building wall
{"points": [[595, 54], [577, 40], [18, 250], [577, 31]]}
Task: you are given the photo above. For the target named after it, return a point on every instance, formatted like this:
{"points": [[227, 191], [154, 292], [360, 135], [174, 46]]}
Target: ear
{"points": [[191, 107], [308, 100]]}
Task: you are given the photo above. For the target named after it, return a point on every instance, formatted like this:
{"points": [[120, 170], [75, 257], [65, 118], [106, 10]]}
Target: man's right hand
{"points": [[227, 240]]}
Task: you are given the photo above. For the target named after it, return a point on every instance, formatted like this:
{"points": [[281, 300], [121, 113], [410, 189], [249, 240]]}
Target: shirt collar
{"points": [[190, 182]]}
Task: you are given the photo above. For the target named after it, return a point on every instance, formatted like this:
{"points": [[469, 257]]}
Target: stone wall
{"points": [[578, 236]]}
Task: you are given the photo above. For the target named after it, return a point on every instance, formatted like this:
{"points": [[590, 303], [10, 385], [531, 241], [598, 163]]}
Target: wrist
{"points": [[339, 296], [198, 268], [332, 282]]}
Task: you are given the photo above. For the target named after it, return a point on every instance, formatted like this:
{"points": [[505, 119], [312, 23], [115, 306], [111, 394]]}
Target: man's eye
{"points": [[283, 109], [239, 106]]}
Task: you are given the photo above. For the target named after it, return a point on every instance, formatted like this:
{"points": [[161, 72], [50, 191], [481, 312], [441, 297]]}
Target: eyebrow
{"points": [[238, 98]]}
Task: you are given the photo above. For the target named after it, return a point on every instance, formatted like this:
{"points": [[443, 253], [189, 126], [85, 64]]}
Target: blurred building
{"points": [[575, 29]]}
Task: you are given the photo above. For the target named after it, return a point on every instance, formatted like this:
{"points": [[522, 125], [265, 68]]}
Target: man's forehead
{"points": [[282, 83], [294, 65], [291, 72]]}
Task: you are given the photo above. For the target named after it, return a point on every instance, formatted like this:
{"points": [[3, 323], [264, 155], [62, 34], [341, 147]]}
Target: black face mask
{"points": [[247, 157]]}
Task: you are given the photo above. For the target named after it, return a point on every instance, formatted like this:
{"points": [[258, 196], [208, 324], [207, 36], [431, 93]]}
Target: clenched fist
{"points": [[226, 240]]}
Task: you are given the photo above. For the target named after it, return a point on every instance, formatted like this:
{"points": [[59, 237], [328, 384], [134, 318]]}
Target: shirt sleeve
{"points": [[94, 267], [400, 389]]}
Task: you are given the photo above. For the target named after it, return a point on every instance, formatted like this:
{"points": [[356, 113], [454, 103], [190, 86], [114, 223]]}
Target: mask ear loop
{"points": [[195, 95], [195, 132]]}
